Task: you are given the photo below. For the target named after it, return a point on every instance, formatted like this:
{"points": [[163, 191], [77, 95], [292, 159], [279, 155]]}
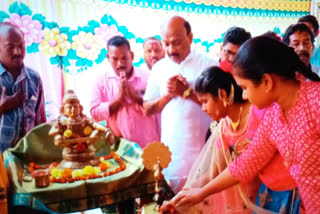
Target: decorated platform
{"points": [[125, 177]]}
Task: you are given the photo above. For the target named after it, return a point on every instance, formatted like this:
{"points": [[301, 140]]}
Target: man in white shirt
{"points": [[170, 91]]}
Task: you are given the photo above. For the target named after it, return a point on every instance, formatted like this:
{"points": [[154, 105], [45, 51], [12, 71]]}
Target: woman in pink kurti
{"points": [[266, 70]]}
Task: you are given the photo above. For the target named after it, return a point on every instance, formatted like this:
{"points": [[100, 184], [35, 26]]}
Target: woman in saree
{"points": [[266, 71]]}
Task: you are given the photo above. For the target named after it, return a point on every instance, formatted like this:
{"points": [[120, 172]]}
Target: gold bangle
{"points": [[186, 93]]}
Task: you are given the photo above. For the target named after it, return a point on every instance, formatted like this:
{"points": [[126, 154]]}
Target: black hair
{"points": [[262, 54], [152, 38], [236, 36], [213, 78], [272, 34], [296, 28], [118, 41], [187, 27], [312, 20]]}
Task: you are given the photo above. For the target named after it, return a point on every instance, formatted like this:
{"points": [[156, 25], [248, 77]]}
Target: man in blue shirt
{"points": [[21, 92]]}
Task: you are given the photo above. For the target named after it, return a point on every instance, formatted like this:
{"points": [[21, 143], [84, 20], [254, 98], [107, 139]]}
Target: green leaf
{"points": [[85, 29], [54, 60], [54, 24], [137, 64], [88, 62], [277, 30], [139, 40], [93, 24], [80, 62], [33, 48], [25, 10], [105, 20], [123, 30], [3, 15], [196, 40], [39, 17], [158, 37], [14, 8], [72, 54], [65, 61], [101, 56], [64, 30], [50, 25], [130, 35]]}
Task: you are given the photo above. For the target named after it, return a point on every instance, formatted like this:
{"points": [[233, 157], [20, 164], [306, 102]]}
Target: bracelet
{"points": [[186, 93]]}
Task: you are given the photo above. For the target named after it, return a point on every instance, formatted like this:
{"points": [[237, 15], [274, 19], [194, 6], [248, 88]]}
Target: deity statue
{"points": [[76, 133]]}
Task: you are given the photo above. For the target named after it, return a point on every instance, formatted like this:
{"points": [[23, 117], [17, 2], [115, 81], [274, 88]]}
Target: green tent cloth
{"points": [[38, 147]]}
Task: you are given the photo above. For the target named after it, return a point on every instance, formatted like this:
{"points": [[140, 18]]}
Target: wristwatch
{"points": [[186, 93]]}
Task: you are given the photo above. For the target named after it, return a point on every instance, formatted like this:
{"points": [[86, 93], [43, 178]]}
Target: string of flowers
{"points": [[88, 172]]}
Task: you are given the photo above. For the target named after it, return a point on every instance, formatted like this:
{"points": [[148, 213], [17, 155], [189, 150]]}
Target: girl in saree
{"points": [[222, 100], [266, 71]]}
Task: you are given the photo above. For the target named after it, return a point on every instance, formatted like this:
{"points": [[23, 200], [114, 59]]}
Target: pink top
{"points": [[130, 122], [233, 139], [296, 137]]}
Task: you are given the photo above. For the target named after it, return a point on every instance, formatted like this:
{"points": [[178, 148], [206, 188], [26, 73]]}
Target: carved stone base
{"points": [[78, 160]]}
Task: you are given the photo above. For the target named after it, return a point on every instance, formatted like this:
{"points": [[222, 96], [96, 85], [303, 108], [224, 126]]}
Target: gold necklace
{"points": [[236, 124]]}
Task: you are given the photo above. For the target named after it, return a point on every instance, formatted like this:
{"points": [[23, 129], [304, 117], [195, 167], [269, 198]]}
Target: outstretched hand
{"points": [[187, 198], [168, 208]]}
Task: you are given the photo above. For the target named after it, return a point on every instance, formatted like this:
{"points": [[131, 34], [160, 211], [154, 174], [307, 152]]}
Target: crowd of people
{"points": [[263, 92]]}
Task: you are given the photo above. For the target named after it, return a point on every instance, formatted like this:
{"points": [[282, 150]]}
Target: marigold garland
{"points": [[88, 172]]}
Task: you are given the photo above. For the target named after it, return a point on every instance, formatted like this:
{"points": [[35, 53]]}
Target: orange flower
{"points": [[123, 166], [103, 167], [66, 173]]}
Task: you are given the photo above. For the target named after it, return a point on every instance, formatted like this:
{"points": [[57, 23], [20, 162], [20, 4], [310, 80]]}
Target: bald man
{"points": [[170, 91], [152, 51], [21, 99]]}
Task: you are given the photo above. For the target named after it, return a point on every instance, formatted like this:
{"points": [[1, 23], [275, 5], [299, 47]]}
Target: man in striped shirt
{"points": [[21, 92]]}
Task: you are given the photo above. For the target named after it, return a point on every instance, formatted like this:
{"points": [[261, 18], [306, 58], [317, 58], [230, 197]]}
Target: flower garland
{"points": [[88, 172]]}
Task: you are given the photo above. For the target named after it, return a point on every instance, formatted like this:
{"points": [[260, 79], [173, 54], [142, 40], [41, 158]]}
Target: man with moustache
{"points": [[117, 96], [152, 51], [301, 39], [170, 91], [22, 98]]}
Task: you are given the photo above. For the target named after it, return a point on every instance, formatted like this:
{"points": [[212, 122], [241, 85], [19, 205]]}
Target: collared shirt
{"points": [[296, 135], [130, 122], [183, 124], [15, 123]]}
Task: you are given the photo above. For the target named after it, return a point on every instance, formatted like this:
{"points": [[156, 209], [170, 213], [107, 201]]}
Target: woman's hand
{"points": [[187, 197], [168, 208]]}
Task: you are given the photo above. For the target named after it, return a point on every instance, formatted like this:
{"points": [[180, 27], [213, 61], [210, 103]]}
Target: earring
{"points": [[231, 95], [267, 90], [224, 103], [220, 97]]}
